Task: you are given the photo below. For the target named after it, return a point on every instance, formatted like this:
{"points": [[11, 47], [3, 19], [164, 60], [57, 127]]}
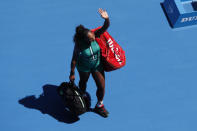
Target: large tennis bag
{"points": [[113, 56], [71, 95]]}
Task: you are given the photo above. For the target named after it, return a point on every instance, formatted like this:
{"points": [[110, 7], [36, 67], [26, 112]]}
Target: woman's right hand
{"points": [[72, 78], [103, 13]]}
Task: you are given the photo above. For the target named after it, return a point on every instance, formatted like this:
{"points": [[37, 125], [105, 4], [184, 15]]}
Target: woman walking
{"points": [[87, 59]]}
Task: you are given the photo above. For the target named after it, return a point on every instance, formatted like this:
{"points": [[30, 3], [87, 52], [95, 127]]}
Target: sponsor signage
{"points": [[180, 13]]}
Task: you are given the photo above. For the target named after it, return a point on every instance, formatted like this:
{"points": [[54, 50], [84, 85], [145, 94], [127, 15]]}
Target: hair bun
{"points": [[81, 34], [80, 29]]}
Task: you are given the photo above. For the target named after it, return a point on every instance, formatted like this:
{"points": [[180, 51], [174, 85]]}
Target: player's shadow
{"points": [[49, 103]]}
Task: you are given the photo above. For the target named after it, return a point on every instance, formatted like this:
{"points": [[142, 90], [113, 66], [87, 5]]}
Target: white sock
{"points": [[99, 103]]}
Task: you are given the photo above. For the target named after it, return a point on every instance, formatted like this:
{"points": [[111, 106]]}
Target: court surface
{"points": [[155, 91]]}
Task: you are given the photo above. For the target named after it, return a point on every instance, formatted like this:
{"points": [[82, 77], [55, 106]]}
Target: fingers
{"points": [[103, 13], [101, 10], [72, 78]]}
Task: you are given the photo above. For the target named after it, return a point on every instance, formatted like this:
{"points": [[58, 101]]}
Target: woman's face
{"points": [[91, 36]]}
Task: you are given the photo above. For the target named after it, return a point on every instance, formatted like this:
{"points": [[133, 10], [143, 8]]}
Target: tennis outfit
{"points": [[89, 55], [89, 58]]}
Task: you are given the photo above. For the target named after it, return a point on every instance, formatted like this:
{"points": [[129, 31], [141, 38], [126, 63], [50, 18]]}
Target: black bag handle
{"points": [[72, 83]]}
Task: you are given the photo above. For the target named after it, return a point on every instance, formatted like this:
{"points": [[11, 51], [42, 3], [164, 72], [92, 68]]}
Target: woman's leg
{"points": [[84, 76], [99, 77]]}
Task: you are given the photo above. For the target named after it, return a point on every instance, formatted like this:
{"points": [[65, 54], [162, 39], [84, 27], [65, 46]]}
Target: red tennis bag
{"points": [[113, 56]]}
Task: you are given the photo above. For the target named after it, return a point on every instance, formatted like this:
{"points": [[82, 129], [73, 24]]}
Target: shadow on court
{"points": [[49, 103]]}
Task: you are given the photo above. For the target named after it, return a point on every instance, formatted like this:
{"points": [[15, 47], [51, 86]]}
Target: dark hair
{"points": [[80, 34]]}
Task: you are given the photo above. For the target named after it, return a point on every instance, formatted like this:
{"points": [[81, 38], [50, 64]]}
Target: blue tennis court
{"points": [[155, 91]]}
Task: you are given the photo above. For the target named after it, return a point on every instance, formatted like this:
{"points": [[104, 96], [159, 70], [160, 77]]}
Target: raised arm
{"points": [[106, 24]]}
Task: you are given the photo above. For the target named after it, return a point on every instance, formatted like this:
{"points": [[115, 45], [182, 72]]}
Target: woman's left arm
{"points": [[106, 24]]}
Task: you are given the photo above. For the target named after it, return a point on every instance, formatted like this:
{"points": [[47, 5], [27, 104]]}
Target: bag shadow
{"points": [[49, 102]]}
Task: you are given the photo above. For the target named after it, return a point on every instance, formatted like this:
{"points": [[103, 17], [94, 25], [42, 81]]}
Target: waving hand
{"points": [[103, 13]]}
